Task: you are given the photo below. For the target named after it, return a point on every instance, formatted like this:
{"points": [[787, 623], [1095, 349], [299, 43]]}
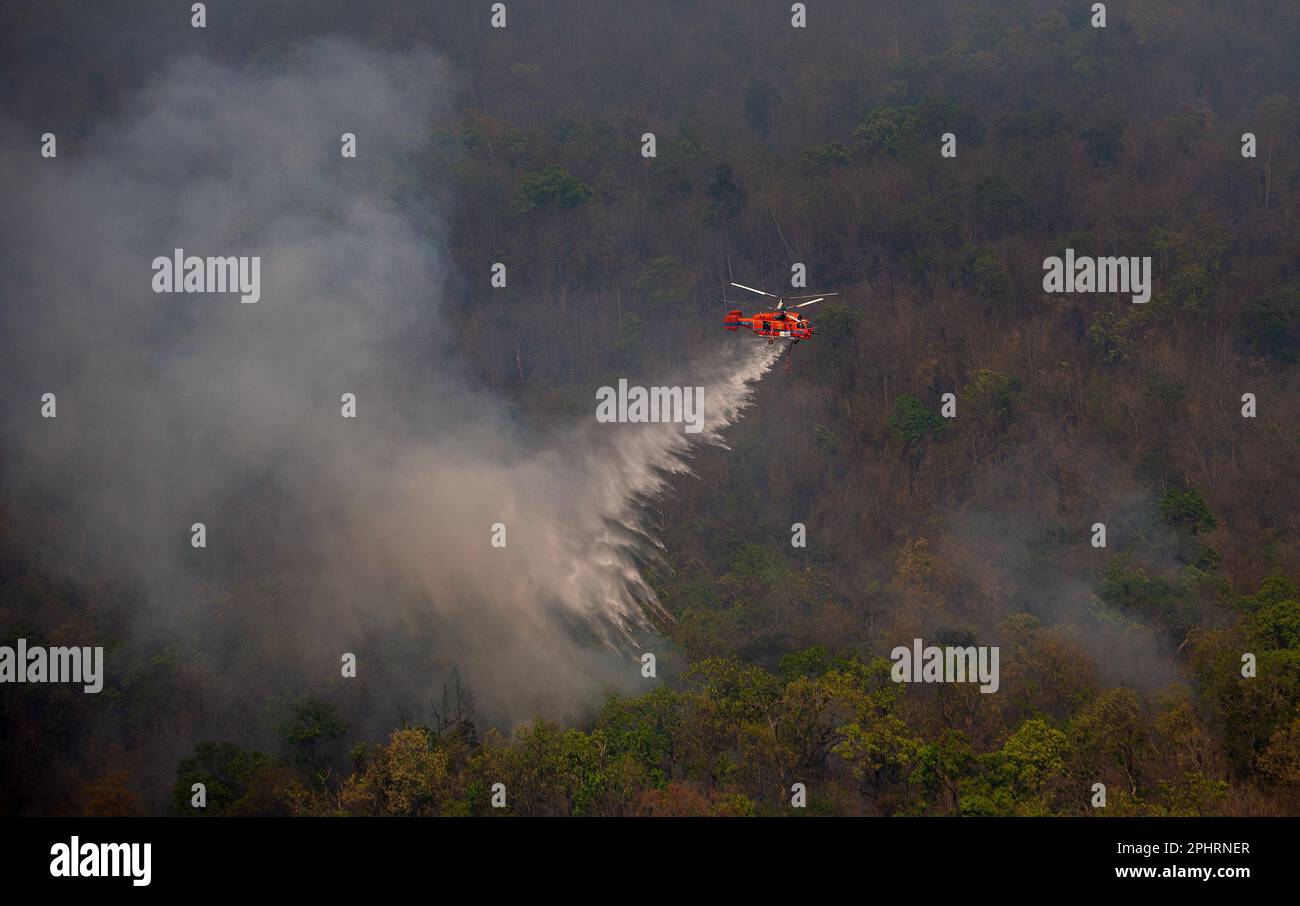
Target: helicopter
{"points": [[779, 323]]}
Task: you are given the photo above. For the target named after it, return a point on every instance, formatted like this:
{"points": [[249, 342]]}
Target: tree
{"points": [[1193, 256], [1020, 778], [726, 197], [552, 188], [1187, 511], [811, 716], [111, 796], [227, 773], [991, 279], [1104, 143], [1110, 733], [647, 728], [912, 421], [408, 777], [312, 724], [942, 765], [1270, 324]]}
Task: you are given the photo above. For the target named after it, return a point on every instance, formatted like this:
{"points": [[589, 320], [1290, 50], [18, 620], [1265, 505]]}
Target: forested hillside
{"points": [[777, 146]]}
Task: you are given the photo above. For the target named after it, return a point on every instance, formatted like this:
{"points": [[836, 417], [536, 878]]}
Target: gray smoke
{"points": [[325, 535]]}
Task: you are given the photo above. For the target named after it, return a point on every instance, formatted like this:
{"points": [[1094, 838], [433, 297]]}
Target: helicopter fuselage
{"points": [[771, 324]]}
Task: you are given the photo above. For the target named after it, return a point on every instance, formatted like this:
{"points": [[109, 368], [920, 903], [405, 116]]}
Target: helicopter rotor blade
{"points": [[811, 295], [752, 290], [802, 304]]}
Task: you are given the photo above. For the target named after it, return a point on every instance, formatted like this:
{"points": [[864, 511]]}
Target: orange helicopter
{"points": [[780, 323]]}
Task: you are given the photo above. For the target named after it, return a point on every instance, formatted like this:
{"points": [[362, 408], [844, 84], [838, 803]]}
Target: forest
{"points": [[777, 146]]}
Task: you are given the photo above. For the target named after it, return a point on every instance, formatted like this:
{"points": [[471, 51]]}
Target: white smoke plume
{"points": [[325, 535]]}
